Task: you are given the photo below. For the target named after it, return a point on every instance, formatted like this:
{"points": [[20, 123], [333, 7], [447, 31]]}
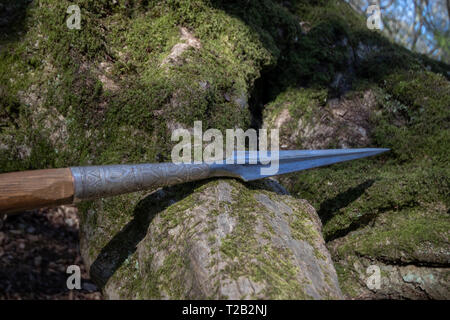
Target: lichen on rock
{"points": [[219, 239], [390, 211]]}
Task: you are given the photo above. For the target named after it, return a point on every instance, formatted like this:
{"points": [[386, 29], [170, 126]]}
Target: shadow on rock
{"points": [[330, 207], [124, 243]]}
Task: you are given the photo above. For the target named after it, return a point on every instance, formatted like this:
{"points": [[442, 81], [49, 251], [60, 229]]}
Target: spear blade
{"points": [[289, 161]]}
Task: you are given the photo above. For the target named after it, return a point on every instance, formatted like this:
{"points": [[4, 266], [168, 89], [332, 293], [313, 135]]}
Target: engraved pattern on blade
{"points": [[102, 181]]}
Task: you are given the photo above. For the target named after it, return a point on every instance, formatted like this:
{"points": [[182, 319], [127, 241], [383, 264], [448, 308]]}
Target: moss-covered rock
{"points": [[113, 91], [307, 118], [391, 210], [219, 239], [396, 281]]}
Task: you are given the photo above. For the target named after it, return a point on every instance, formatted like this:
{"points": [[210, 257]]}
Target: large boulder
{"points": [[307, 118], [385, 216], [390, 212], [409, 251], [219, 239]]}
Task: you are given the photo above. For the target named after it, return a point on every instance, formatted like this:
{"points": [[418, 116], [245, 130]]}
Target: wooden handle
{"points": [[26, 190]]}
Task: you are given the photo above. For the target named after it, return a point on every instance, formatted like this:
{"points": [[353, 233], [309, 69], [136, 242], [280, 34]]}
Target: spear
{"points": [[32, 189]]}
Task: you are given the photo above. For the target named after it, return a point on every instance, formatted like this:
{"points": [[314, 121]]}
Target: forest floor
{"points": [[35, 250]]}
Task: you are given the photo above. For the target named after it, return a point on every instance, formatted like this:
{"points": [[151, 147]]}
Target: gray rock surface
{"points": [[223, 240], [396, 281], [309, 120]]}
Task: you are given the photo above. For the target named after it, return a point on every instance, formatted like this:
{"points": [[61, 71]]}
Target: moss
{"points": [[385, 207], [335, 40], [270, 262], [407, 236], [170, 279], [56, 111], [425, 96], [401, 188], [301, 104], [237, 246], [348, 284], [133, 39], [237, 45], [245, 253], [411, 120]]}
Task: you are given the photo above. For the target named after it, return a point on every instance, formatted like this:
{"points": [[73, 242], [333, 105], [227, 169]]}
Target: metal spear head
{"points": [[240, 164]]}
